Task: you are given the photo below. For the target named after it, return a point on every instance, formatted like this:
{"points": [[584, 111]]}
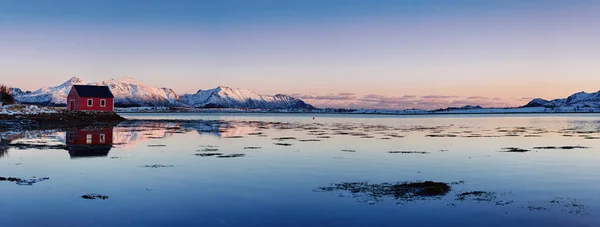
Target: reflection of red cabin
{"points": [[88, 97], [89, 142], [90, 136]]}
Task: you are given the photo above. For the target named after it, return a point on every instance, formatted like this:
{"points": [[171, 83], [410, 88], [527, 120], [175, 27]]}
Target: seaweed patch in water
{"points": [[310, 140], [477, 196], [209, 149], [572, 206], [406, 191], [440, 135], [252, 148], [93, 196], [283, 144], [536, 208], [156, 166], [561, 147], [408, 152], [349, 150], [207, 154], [156, 145], [27, 182], [284, 138], [231, 156], [514, 150]]}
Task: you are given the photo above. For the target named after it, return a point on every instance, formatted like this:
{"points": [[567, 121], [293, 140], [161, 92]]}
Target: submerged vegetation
{"points": [[408, 152], [207, 154], [561, 147], [514, 150], [156, 166], [21, 181], [231, 156], [400, 190], [477, 196], [93, 196]]}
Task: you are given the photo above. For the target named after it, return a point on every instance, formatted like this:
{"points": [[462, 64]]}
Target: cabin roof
{"points": [[91, 91]]}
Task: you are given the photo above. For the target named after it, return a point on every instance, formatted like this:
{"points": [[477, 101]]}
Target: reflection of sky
{"points": [[273, 185], [504, 50]]}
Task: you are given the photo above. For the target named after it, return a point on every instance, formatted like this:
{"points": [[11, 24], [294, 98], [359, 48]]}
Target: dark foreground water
{"points": [[291, 170]]}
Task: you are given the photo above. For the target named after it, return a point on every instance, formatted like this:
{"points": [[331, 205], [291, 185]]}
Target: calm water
{"points": [[274, 170]]}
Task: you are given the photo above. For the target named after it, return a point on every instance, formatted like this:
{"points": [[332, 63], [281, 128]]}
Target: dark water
{"points": [[291, 170]]}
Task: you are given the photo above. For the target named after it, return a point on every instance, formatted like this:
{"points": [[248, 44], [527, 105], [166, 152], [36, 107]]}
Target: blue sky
{"points": [[388, 54]]}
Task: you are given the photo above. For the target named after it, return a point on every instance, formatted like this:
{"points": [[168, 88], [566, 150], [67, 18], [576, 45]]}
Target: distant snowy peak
{"points": [[537, 103], [128, 91], [17, 91], [48, 95], [575, 100], [583, 97], [226, 97]]}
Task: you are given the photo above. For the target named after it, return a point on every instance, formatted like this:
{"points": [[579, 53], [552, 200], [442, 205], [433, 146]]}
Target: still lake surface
{"points": [[287, 170]]}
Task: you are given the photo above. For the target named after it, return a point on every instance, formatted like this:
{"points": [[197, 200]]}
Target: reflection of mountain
{"points": [[129, 133], [222, 128], [89, 142], [20, 139], [97, 142]]}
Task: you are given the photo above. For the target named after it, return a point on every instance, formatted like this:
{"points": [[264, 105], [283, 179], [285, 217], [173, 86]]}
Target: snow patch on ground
{"points": [[25, 109]]}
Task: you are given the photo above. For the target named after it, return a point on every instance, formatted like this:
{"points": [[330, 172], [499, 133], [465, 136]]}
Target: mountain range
{"points": [[129, 92], [578, 100]]}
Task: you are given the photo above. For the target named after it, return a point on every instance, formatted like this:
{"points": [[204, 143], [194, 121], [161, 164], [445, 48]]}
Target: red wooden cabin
{"points": [[88, 97]]}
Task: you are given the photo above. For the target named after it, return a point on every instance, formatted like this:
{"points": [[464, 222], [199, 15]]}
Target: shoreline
{"points": [[59, 120], [350, 113]]}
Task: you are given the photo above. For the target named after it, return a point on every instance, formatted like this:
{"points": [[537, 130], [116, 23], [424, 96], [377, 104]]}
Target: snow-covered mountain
{"points": [[129, 92], [536, 103], [225, 97], [56, 95], [17, 91], [126, 91], [577, 100]]}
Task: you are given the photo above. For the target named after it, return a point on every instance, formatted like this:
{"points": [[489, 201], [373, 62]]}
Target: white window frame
{"points": [[102, 138], [88, 139], [90, 102], [102, 102]]}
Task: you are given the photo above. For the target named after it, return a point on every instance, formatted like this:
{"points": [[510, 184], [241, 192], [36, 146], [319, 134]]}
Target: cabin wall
{"points": [[82, 104], [72, 96]]}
